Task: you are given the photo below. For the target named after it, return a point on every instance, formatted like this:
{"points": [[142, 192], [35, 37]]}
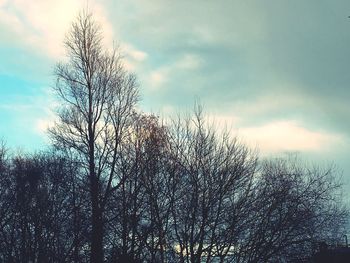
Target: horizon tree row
{"points": [[185, 194]]}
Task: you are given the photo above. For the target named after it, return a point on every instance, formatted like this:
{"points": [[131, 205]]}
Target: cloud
{"points": [[251, 58], [133, 57], [158, 77], [278, 136], [41, 25], [185, 63], [133, 53], [193, 22], [281, 136]]}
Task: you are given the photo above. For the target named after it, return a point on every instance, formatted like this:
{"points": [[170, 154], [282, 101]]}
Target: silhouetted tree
{"points": [[186, 193], [97, 97], [213, 176], [38, 213], [296, 206], [133, 226]]}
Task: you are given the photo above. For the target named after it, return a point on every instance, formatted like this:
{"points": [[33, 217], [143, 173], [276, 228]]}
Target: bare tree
{"points": [[37, 215], [295, 207], [227, 208], [213, 174], [97, 97], [137, 212], [182, 193]]}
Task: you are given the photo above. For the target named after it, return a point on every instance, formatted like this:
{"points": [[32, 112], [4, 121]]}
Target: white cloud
{"points": [[283, 136], [132, 56], [42, 24], [134, 53], [276, 136]]}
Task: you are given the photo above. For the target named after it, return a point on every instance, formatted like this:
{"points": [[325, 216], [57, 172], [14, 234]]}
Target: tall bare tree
{"points": [[98, 97]]}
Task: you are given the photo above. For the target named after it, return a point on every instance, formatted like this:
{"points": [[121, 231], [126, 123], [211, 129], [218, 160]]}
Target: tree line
{"points": [[120, 185]]}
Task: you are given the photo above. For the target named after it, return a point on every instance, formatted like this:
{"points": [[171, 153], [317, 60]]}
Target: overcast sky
{"points": [[276, 72]]}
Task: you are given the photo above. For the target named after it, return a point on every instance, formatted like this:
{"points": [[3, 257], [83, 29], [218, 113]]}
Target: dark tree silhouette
{"points": [[186, 193], [97, 98], [213, 175], [296, 206], [38, 213]]}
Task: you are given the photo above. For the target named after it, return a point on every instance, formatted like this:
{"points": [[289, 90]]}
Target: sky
{"points": [[276, 72]]}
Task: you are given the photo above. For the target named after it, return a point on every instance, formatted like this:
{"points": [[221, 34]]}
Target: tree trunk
{"points": [[96, 213], [97, 226]]}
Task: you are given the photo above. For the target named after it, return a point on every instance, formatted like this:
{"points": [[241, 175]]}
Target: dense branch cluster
{"points": [[181, 193], [123, 186]]}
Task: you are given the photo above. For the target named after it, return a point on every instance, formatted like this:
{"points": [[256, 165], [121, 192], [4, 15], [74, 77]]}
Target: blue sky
{"points": [[276, 72]]}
